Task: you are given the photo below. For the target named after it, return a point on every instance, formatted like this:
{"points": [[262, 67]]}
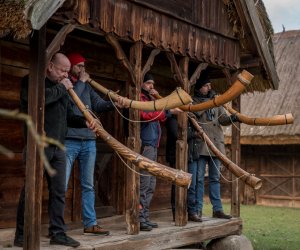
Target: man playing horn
{"points": [[81, 143], [57, 116], [199, 155], [150, 137]]}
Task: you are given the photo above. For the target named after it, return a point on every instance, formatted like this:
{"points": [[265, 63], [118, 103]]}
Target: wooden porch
{"points": [[166, 236]]}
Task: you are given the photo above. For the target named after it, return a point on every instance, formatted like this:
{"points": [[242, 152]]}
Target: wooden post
{"points": [[34, 166], [181, 74], [236, 158], [76, 194], [133, 179], [182, 150]]}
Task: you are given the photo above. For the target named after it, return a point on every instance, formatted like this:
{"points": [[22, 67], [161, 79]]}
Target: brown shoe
{"points": [[96, 230], [194, 217], [221, 215]]}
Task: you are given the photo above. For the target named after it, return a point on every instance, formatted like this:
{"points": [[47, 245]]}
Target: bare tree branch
{"points": [[41, 141]]}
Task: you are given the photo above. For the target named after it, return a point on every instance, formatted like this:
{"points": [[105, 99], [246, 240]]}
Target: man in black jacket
{"points": [[57, 116]]}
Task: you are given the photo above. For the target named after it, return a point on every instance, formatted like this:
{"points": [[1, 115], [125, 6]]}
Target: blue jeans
{"points": [[85, 152], [196, 190]]}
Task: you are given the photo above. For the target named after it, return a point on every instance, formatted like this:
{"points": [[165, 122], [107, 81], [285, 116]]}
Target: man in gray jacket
{"points": [[199, 155]]}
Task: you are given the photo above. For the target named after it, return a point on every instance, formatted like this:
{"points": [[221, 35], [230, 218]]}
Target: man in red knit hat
{"points": [[81, 143]]}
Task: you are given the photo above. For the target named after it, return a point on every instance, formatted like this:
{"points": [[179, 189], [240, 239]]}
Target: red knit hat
{"points": [[75, 58]]}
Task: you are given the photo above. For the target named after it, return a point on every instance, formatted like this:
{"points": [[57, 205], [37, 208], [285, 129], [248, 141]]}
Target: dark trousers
{"points": [[56, 188], [147, 184], [172, 165]]}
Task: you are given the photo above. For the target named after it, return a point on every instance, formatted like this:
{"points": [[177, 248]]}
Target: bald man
{"points": [[58, 115]]}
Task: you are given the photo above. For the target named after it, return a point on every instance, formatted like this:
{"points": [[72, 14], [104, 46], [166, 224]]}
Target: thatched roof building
{"points": [[121, 39], [284, 100]]}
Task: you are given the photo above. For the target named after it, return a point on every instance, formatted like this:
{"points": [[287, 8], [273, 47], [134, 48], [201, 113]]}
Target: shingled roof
{"points": [[284, 100], [247, 45]]}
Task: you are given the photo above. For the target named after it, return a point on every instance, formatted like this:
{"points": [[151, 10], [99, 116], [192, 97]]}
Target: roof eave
{"points": [[260, 40], [39, 11]]}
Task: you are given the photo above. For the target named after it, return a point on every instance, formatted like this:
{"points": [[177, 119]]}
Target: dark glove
{"points": [[234, 118], [212, 94]]}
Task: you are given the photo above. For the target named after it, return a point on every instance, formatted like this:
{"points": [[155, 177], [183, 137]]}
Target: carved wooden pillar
{"points": [[34, 166], [236, 158], [133, 179], [136, 74], [181, 74], [235, 150], [182, 150]]}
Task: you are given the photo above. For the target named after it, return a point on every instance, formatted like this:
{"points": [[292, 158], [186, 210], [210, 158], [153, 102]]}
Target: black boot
{"points": [[221, 215], [63, 239], [194, 217], [19, 241], [145, 227]]}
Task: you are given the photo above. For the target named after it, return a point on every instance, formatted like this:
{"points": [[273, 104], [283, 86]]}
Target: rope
{"points": [[243, 80], [140, 121], [215, 165], [131, 169], [218, 169]]}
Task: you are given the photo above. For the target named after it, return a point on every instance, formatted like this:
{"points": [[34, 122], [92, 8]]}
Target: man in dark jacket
{"points": [[57, 115], [150, 136], [199, 155], [81, 143]]}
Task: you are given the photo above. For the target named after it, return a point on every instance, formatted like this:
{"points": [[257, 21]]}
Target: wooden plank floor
{"points": [[166, 236]]}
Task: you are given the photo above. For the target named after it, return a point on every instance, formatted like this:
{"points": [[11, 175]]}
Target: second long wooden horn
{"points": [[177, 98]]}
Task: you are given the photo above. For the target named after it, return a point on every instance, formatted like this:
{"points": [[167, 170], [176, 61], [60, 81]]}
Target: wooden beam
{"points": [[76, 194], [181, 145], [250, 62], [121, 55], [134, 143], [197, 73], [174, 68], [267, 140], [58, 41], [34, 166], [150, 61], [236, 158]]}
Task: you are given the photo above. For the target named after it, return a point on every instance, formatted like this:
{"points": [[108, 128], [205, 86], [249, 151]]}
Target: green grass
{"points": [[268, 228]]}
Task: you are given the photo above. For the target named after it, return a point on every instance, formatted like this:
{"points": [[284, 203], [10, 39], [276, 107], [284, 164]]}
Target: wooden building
{"points": [[272, 153], [123, 39]]}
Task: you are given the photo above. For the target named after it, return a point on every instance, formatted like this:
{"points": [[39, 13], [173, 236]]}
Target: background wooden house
{"points": [[224, 36], [272, 153]]}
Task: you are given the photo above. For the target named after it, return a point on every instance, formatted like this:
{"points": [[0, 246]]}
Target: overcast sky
{"points": [[284, 12]]}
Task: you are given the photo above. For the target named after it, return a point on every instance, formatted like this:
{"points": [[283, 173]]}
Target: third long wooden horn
{"points": [[262, 121], [249, 179]]}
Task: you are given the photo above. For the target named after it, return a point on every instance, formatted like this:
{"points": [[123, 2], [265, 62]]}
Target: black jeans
{"points": [[147, 184], [56, 188], [173, 205]]}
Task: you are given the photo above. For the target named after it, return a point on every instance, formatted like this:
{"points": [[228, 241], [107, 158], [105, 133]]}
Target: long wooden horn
{"points": [[180, 178], [175, 99], [263, 121], [249, 179], [243, 79]]}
